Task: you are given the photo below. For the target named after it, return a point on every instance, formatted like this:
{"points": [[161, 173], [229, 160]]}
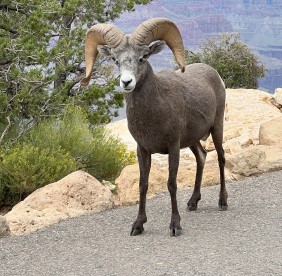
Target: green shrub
{"points": [[3, 192], [26, 168], [106, 156], [55, 148], [94, 148], [71, 132], [233, 60]]}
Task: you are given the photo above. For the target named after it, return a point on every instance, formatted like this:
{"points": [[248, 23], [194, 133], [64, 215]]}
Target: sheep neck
{"points": [[144, 94], [145, 112]]}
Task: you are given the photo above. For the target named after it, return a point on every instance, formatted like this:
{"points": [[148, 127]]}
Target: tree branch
{"points": [[14, 32], [5, 130], [8, 8], [24, 129], [5, 62]]}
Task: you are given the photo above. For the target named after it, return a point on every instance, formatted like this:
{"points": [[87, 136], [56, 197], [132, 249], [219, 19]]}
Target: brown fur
{"points": [[173, 110]]}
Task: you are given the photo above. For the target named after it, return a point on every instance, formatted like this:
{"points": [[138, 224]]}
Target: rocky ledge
{"points": [[252, 143]]}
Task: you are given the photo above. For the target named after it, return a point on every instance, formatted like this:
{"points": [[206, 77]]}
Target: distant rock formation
{"points": [[257, 22]]}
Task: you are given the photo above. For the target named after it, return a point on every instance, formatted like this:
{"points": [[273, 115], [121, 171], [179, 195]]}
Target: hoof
{"points": [[175, 232], [136, 231], [222, 205], [192, 206]]}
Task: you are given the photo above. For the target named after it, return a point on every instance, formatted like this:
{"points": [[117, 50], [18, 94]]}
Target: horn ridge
{"points": [[100, 34], [161, 29]]}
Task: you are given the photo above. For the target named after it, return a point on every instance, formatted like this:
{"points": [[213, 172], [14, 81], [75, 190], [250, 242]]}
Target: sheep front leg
{"points": [[144, 159], [174, 153]]}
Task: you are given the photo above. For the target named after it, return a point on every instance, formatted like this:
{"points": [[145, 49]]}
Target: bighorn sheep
{"points": [[165, 111]]}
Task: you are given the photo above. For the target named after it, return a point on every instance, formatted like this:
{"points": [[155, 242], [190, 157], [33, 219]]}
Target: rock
{"points": [[246, 110], [4, 227], [236, 144], [128, 183], [270, 133], [245, 162], [76, 194], [254, 160], [277, 98]]}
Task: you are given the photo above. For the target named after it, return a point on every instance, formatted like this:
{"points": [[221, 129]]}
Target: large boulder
{"points": [[76, 194], [4, 227], [270, 133], [253, 161]]}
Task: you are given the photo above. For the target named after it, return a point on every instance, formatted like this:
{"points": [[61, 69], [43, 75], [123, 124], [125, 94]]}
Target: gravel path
{"points": [[245, 240]]}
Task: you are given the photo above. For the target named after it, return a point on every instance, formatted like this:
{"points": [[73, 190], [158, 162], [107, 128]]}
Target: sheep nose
{"points": [[126, 83]]}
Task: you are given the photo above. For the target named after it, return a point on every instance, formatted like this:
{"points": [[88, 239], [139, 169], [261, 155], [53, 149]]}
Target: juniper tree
{"points": [[41, 57], [235, 62]]}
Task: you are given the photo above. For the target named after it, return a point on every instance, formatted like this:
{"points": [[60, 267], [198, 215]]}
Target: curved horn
{"points": [[100, 34], [162, 29]]}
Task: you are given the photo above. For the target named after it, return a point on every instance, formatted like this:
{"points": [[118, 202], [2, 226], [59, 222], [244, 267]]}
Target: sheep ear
{"points": [[104, 50], [156, 47]]}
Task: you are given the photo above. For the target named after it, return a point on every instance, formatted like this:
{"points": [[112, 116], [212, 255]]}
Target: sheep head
{"points": [[130, 52]]}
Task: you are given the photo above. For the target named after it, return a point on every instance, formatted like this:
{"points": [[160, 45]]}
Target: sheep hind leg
{"points": [[174, 155], [144, 159], [217, 136], [200, 155]]}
